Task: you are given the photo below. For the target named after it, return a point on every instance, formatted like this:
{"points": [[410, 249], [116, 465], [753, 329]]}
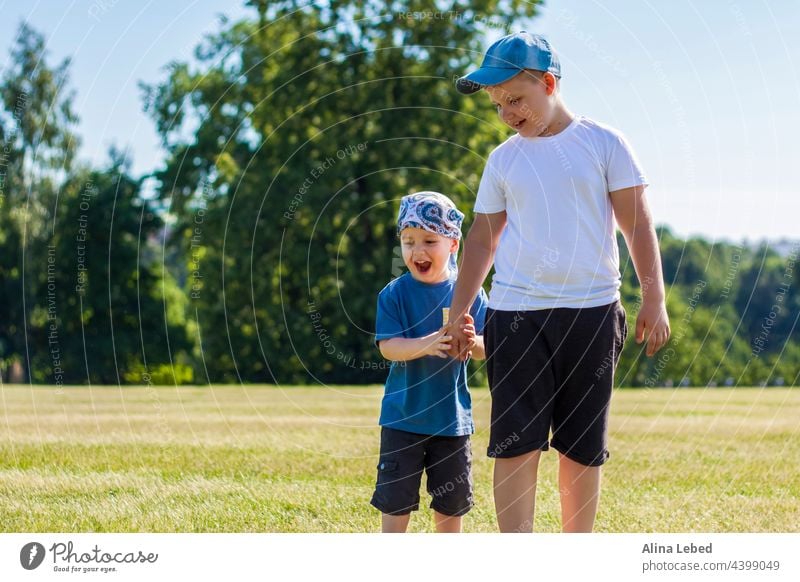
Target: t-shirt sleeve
{"points": [[387, 317], [478, 311], [491, 196], [623, 169]]}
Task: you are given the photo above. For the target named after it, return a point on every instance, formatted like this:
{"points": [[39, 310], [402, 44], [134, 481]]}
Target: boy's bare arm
{"points": [[402, 349], [636, 223], [479, 250]]}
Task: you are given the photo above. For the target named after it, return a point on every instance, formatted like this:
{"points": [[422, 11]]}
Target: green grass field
{"points": [[302, 459]]}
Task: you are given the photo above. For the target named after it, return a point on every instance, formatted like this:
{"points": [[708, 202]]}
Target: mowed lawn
{"points": [[302, 459]]}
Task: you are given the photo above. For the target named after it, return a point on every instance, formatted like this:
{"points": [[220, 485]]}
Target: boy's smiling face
{"points": [[525, 102], [427, 254]]}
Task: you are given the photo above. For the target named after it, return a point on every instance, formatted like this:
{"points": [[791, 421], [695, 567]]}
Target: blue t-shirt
{"points": [[427, 395]]}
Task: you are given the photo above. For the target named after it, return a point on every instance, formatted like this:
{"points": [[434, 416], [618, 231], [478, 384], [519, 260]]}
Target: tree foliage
{"points": [[80, 302]]}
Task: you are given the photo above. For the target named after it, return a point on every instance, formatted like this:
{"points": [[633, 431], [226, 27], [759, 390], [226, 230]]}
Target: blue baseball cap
{"points": [[507, 57]]}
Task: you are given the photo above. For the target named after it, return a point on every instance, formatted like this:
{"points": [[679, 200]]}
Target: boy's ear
{"points": [[454, 245], [550, 83]]}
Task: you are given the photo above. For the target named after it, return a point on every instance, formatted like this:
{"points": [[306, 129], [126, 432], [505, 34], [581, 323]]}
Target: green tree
{"points": [[82, 296], [117, 319], [38, 149]]}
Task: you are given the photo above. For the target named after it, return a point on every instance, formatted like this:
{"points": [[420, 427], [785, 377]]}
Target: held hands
{"points": [[437, 344], [468, 327], [462, 331], [653, 323]]}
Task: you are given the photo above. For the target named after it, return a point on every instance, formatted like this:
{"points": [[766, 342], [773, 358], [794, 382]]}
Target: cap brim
{"points": [[484, 77]]}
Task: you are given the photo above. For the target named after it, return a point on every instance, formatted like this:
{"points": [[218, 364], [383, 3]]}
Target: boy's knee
{"points": [[526, 458]]}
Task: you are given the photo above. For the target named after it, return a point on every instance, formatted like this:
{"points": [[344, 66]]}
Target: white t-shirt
{"points": [[559, 247]]}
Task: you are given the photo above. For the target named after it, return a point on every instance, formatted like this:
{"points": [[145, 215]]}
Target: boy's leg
{"points": [[515, 492], [579, 486], [447, 523], [522, 383], [400, 466], [394, 523], [586, 356], [448, 464]]}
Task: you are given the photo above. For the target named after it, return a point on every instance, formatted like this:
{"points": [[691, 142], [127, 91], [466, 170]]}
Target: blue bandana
{"points": [[433, 212]]}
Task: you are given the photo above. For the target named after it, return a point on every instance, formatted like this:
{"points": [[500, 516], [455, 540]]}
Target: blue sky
{"points": [[707, 92]]}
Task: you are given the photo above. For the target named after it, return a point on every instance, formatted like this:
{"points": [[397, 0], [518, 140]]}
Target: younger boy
{"points": [[426, 413], [545, 213]]}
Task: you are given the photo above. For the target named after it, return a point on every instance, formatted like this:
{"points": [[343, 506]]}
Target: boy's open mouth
{"points": [[423, 266], [519, 124]]}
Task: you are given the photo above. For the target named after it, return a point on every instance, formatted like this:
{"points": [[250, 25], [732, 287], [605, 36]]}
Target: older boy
{"points": [[545, 216]]}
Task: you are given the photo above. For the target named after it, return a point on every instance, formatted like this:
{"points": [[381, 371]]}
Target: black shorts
{"points": [[553, 369], [447, 462]]}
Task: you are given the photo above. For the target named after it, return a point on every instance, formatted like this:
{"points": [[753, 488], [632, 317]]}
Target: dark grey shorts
{"points": [[553, 369], [447, 461]]}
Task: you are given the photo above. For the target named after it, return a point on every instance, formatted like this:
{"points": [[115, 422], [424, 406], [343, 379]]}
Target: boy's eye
{"points": [[514, 101]]}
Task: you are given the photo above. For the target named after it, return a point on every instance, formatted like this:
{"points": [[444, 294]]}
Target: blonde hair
{"points": [[540, 75]]}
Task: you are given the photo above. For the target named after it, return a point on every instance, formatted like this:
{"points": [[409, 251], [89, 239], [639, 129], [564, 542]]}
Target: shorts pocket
{"points": [[387, 466]]}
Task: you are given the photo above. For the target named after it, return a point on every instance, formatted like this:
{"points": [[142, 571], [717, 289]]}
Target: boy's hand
{"points": [[437, 344], [461, 342], [653, 322], [468, 327]]}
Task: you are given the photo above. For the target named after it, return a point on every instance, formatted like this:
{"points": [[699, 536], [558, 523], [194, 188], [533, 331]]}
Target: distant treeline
{"points": [[255, 254]]}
